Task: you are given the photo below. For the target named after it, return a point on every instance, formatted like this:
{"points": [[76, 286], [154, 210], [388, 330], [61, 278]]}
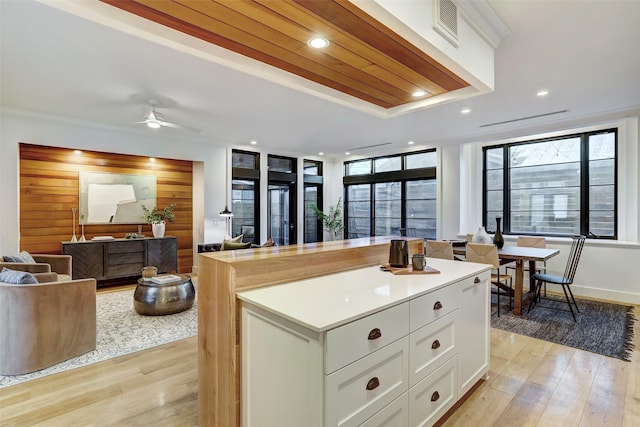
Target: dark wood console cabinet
{"points": [[118, 258]]}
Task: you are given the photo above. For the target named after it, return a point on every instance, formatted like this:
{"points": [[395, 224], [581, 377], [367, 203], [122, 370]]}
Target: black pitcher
{"points": [[398, 253]]}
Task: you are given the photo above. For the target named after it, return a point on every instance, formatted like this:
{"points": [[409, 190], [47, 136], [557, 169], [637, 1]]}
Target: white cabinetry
{"points": [[363, 348]]}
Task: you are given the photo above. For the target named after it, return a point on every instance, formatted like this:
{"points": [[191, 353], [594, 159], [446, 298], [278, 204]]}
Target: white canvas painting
{"points": [[115, 198]]}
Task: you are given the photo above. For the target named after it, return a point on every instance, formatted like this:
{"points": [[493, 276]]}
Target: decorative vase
{"points": [[158, 229], [482, 237], [149, 272], [498, 239]]}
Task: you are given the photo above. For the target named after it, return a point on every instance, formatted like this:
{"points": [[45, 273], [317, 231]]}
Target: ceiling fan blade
{"points": [[177, 126]]}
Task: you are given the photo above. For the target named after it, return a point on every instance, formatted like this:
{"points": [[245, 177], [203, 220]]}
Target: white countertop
{"points": [[325, 302]]}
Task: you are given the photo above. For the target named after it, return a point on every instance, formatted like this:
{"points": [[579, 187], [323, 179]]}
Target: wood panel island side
{"points": [[223, 275]]}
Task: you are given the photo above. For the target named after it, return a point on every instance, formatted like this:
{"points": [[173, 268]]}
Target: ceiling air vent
{"points": [[445, 16]]}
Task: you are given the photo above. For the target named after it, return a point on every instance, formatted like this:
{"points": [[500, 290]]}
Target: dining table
{"points": [[519, 255]]}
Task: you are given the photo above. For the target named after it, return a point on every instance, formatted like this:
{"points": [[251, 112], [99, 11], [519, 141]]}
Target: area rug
{"points": [[602, 328], [121, 330]]}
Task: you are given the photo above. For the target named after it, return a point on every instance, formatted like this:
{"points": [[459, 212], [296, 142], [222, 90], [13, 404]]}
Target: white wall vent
{"points": [[445, 16]]}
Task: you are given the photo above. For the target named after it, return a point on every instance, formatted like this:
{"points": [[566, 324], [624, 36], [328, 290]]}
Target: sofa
{"points": [[232, 244], [47, 268], [45, 323]]}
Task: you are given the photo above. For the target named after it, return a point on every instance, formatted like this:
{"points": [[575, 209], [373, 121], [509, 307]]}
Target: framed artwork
{"points": [[111, 198]]}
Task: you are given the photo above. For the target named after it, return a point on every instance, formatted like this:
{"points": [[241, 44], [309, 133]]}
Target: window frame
{"points": [[403, 176], [584, 183]]}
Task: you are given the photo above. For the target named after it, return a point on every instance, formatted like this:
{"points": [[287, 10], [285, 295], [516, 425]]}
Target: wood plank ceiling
{"points": [[364, 58]]}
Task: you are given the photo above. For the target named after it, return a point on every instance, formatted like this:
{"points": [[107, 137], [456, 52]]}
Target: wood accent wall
{"points": [[49, 188]]}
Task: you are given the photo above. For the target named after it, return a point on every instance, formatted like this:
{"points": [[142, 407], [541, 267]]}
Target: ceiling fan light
{"points": [[153, 125]]}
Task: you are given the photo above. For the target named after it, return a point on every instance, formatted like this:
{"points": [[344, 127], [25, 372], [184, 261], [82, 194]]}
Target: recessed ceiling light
{"points": [[410, 142], [418, 93], [347, 153], [318, 42], [542, 92], [465, 110], [254, 142], [321, 154]]}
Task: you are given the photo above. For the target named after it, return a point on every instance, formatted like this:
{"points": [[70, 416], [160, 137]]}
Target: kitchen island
{"points": [[222, 275], [364, 347]]}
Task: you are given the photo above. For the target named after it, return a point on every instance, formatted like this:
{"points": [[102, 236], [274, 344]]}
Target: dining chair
{"points": [[531, 242], [488, 254], [408, 232], [565, 280], [438, 249]]}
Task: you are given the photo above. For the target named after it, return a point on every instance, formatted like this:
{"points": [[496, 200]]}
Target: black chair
{"points": [[565, 281]]}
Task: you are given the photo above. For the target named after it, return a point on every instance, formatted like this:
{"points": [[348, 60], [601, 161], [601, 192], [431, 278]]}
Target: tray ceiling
{"points": [[364, 58]]}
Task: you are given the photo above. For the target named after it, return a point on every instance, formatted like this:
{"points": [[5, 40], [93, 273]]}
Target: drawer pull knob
{"points": [[437, 305], [435, 396], [373, 383], [375, 334], [476, 280], [435, 345]]}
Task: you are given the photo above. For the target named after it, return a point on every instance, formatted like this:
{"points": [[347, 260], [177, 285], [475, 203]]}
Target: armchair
{"points": [[43, 267], [45, 324]]}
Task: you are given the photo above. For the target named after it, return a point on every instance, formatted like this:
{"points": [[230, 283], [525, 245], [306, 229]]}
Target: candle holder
{"points": [[74, 238], [82, 239]]}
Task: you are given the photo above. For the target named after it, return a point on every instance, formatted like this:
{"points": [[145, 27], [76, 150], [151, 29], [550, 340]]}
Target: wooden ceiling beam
{"points": [[365, 59]]}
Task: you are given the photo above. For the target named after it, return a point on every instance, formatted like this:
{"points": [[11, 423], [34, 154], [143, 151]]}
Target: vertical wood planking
{"points": [[49, 189]]}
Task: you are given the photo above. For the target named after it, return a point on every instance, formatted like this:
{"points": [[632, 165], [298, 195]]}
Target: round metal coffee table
{"points": [[158, 299]]}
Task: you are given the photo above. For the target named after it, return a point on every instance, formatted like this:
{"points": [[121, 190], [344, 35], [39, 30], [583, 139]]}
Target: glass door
{"points": [[281, 214]]}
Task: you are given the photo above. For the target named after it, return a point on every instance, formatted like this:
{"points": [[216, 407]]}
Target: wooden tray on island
{"points": [[404, 270]]}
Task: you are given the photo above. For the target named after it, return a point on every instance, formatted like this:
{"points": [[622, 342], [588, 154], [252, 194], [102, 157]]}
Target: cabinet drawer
{"points": [[356, 392], [396, 414], [431, 346], [432, 306], [125, 247], [357, 339], [433, 396]]}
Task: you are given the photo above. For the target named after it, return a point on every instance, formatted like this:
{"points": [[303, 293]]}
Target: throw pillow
{"points": [[237, 239], [229, 246], [17, 277], [269, 243], [23, 256], [27, 257]]}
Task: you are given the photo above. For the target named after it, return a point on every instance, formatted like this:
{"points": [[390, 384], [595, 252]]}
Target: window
{"points": [[388, 194], [313, 184], [560, 186], [245, 198], [358, 211]]}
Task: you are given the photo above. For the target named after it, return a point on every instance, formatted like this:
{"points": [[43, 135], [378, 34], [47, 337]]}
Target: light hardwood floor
{"points": [[532, 383]]}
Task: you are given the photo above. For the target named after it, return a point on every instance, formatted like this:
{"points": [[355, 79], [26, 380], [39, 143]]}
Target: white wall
{"points": [[210, 172], [18, 127], [607, 269]]}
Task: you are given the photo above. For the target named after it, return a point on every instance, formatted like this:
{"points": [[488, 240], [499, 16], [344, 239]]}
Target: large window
{"points": [[561, 186], [391, 195]]}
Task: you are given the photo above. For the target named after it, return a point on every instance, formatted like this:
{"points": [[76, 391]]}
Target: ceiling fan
{"points": [[155, 120]]}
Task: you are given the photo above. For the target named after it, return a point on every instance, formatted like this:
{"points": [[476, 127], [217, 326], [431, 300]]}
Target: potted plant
{"points": [[158, 218], [331, 220]]}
